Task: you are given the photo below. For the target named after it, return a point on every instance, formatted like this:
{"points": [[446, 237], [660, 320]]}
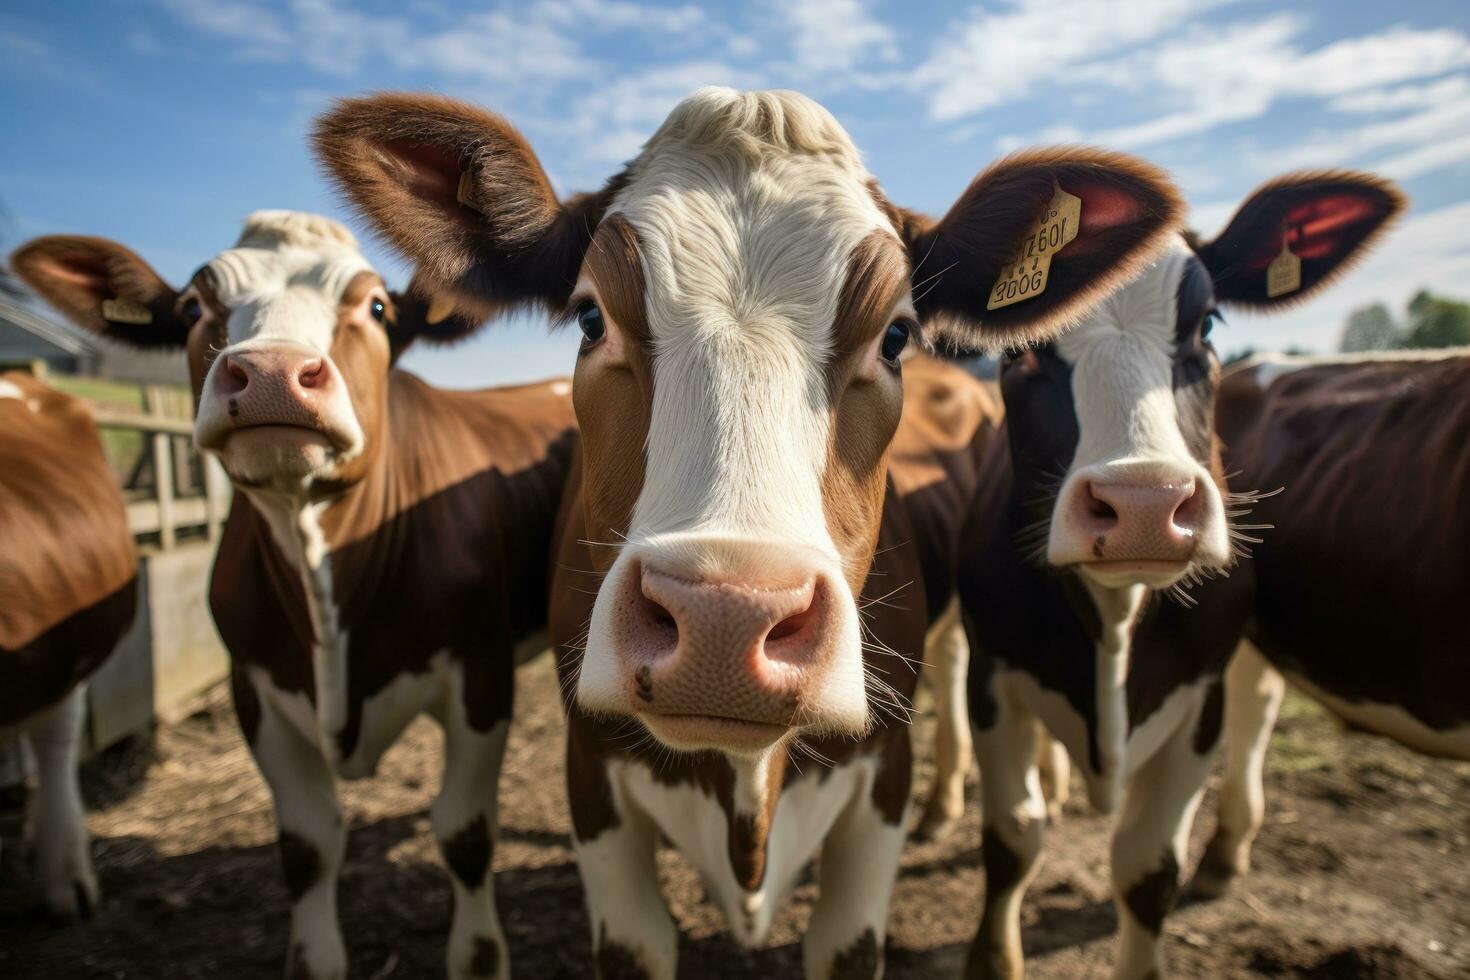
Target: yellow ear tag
{"points": [[466, 189], [439, 310], [1025, 273], [1284, 274], [122, 310]]}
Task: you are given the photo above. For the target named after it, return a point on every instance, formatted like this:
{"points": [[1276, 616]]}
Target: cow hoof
{"points": [[1210, 884], [74, 899], [1054, 813]]}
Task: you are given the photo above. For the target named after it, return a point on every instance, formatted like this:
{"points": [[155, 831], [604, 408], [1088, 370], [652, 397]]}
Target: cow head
{"points": [[1112, 425], [289, 337], [743, 291]]}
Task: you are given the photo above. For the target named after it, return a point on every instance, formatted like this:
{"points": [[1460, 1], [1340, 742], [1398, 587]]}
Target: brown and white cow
{"points": [[386, 549], [1098, 583], [743, 290], [1362, 581], [68, 592]]}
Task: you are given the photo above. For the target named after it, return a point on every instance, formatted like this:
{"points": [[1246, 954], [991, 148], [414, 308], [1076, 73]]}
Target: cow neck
{"points": [[1118, 612], [305, 533]]}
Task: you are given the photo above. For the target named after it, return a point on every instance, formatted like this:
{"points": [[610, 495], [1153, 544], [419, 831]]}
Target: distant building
{"points": [[28, 335]]}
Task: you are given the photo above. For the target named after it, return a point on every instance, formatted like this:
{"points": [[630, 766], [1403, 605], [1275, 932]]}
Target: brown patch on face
{"points": [[361, 352], [865, 409], [614, 401]]}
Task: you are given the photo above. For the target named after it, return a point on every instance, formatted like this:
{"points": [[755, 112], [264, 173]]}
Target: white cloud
{"points": [[1334, 147], [613, 15], [1450, 89], [835, 35], [616, 119], [1427, 250], [987, 59]]}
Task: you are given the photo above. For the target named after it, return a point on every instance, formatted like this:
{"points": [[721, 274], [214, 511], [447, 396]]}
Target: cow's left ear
{"points": [[433, 314], [1327, 220], [1035, 241]]}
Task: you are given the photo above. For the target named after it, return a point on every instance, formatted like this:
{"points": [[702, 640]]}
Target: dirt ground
{"points": [[1360, 872]]}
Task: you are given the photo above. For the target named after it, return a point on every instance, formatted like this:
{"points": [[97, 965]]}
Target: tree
{"points": [[1369, 328], [1435, 321]]}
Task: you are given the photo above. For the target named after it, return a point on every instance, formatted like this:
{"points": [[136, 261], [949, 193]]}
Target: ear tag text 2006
{"points": [[1025, 273], [122, 310]]}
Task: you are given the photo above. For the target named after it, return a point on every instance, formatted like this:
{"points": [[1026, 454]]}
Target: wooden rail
{"points": [[167, 511]]}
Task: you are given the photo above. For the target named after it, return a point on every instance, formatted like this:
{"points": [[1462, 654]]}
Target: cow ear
{"points": [[459, 191], [103, 287], [1327, 220], [1125, 210], [434, 314]]}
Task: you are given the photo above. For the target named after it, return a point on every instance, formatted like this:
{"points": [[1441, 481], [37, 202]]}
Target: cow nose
{"points": [[730, 659], [1169, 511], [286, 372], [761, 627]]}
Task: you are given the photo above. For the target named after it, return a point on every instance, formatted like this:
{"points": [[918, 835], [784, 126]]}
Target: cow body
{"points": [[1362, 577], [68, 578], [731, 546], [386, 550], [1099, 582]]}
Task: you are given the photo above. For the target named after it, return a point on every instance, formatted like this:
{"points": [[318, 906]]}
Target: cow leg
{"points": [[311, 837], [1055, 768], [946, 659], [633, 936], [1013, 828], [464, 818], [856, 875], [1149, 843], [1253, 693], [63, 857]]}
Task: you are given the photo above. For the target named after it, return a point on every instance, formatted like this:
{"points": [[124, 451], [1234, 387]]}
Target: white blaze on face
{"points": [[1122, 363], [747, 209], [282, 285], [745, 250]]}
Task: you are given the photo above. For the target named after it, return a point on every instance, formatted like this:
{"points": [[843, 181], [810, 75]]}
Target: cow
{"points": [[386, 549], [734, 679], [1361, 583], [1099, 584], [68, 593]]}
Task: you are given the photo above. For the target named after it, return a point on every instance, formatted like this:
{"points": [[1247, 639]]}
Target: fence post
{"points": [[163, 469]]}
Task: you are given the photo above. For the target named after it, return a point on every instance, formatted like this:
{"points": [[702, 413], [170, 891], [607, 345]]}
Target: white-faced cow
{"points": [[387, 547], [743, 290], [68, 591], [1361, 584], [1092, 580]]}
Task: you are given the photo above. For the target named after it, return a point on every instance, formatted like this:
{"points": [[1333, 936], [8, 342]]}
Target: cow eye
{"points": [[895, 339], [379, 310], [589, 321], [191, 311], [1213, 319]]}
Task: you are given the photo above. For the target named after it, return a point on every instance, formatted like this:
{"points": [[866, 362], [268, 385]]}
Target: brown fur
{"points": [[68, 569]]}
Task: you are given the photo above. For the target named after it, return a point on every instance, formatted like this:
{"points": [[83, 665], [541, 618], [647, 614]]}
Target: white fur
{"points": [[747, 208], [282, 284], [9, 389], [1253, 694], [63, 849], [1122, 388], [946, 667], [1266, 367]]}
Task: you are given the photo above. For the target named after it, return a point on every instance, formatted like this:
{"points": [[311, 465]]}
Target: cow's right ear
{"points": [[103, 287], [459, 191]]}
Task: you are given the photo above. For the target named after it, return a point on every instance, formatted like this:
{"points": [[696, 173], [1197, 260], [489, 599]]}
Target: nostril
{"points": [[791, 625], [235, 377], [655, 614], [1097, 507], [312, 373], [1190, 512]]}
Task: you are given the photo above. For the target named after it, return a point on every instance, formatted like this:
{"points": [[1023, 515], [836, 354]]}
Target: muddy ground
{"points": [[1362, 871]]}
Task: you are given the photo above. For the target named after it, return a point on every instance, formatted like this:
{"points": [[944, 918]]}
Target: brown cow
{"points": [[1093, 579], [743, 290], [1363, 580], [68, 591], [387, 547]]}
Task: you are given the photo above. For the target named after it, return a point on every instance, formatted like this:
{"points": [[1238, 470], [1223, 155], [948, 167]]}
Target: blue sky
{"points": [[162, 123]]}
